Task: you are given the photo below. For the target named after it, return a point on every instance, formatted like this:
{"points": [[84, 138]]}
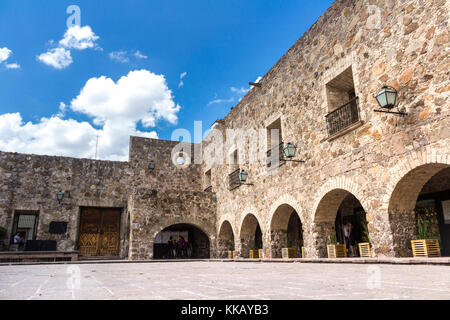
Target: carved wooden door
{"points": [[99, 232]]}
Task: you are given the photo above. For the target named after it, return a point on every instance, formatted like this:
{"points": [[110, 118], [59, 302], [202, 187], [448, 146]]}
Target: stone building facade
{"points": [[320, 97]]}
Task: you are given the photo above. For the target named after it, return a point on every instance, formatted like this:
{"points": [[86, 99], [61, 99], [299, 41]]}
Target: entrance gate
{"points": [[99, 232]]}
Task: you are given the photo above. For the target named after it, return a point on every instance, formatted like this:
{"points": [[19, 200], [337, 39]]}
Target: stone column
{"points": [[316, 241], [402, 231], [247, 243], [277, 242]]}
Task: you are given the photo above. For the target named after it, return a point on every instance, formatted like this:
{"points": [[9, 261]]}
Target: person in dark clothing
{"points": [[180, 247], [171, 245]]}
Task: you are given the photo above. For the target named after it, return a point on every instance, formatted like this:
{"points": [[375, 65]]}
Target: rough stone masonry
{"points": [[320, 96]]}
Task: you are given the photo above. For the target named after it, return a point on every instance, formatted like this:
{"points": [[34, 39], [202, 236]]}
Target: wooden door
{"points": [[99, 232]]}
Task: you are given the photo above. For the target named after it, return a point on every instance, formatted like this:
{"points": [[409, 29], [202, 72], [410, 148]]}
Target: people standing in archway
{"points": [[171, 245], [181, 247], [351, 239]]}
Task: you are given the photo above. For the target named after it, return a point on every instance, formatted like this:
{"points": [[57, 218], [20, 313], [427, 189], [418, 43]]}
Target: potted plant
{"points": [[254, 253], [287, 252], [427, 243], [364, 246], [231, 252], [334, 249]]}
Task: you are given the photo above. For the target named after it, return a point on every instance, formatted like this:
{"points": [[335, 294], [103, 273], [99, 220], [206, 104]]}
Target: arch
{"points": [[199, 242], [250, 234], [289, 200], [286, 230], [337, 195], [225, 239], [333, 190], [412, 174]]}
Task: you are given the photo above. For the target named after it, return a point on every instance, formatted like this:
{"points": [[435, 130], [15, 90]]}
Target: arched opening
{"points": [[340, 219], [286, 231], [424, 191], [189, 243], [251, 235], [225, 242]]}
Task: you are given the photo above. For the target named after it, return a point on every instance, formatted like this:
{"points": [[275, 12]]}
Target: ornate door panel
{"points": [[99, 232]]}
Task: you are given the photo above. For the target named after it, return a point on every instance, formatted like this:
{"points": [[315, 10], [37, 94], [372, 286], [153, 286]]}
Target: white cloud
{"points": [[79, 38], [58, 58], [5, 53], [239, 90], [218, 101], [139, 55], [117, 107], [12, 66], [181, 79], [119, 56], [76, 37]]}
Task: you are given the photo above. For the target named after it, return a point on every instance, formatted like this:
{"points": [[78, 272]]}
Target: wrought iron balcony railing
{"points": [[343, 117], [275, 155], [209, 189], [233, 179]]}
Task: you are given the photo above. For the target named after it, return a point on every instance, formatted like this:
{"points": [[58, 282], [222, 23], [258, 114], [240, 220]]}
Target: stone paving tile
{"points": [[224, 281]]}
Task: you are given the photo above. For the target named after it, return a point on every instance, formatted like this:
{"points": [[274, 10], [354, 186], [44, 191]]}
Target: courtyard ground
{"points": [[224, 280]]}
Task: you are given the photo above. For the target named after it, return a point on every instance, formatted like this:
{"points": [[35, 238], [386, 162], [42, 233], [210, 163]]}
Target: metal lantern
{"points": [[60, 196], [289, 150], [243, 176], [151, 165], [387, 97]]}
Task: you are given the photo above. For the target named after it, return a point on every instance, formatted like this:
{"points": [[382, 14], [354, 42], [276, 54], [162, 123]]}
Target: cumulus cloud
{"points": [[139, 55], [76, 37], [58, 58], [5, 53], [79, 38], [239, 90], [141, 97], [119, 56], [181, 79]]}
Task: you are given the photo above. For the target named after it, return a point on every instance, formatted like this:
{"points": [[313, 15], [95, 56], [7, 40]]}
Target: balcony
{"points": [[275, 155], [209, 189], [233, 180], [343, 118]]}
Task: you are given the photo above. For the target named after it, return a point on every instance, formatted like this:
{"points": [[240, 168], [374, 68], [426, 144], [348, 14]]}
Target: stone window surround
{"points": [[334, 71]]}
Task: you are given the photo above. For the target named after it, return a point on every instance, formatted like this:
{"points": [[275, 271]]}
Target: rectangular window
{"points": [[26, 224], [274, 144], [208, 182], [342, 103]]}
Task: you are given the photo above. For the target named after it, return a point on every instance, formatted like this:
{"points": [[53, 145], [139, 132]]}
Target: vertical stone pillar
{"points": [[222, 248], [316, 243], [402, 231], [277, 242], [247, 243]]}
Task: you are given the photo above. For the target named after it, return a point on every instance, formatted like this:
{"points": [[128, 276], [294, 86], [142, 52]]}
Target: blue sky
{"points": [[219, 46]]}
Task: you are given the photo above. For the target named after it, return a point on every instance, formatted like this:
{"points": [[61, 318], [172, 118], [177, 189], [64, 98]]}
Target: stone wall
{"points": [[403, 44], [151, 211]]}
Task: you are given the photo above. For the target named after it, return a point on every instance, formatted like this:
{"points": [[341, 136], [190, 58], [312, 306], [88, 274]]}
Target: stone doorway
{"points": [[286, 231], [423, 190], [251, 236], [197, 244], [336, 209], [225, 242], [99, 232]]}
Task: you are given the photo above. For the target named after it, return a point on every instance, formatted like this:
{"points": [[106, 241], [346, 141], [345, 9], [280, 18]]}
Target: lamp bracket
{"points": [[392, 112]]}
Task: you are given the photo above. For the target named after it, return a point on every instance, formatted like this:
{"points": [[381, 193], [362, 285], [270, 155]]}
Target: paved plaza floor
{"points": [[224, 280]]}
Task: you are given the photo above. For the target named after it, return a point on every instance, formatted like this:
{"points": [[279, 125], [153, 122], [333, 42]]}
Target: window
{"points": [[274, 144], [343, 109], [208, 183], [233, 177], [25, 223]]}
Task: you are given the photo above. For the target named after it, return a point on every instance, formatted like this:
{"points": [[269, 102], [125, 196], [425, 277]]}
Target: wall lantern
{"points": [[60, 196], [243, 178], [151, 165], [387, 99], [289, 151]]}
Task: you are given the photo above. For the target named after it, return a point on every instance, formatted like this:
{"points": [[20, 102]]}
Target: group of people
{"points": [[179, 249]]}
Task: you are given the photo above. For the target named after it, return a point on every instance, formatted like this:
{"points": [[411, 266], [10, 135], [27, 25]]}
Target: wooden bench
{"points": [[38, 256]]}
